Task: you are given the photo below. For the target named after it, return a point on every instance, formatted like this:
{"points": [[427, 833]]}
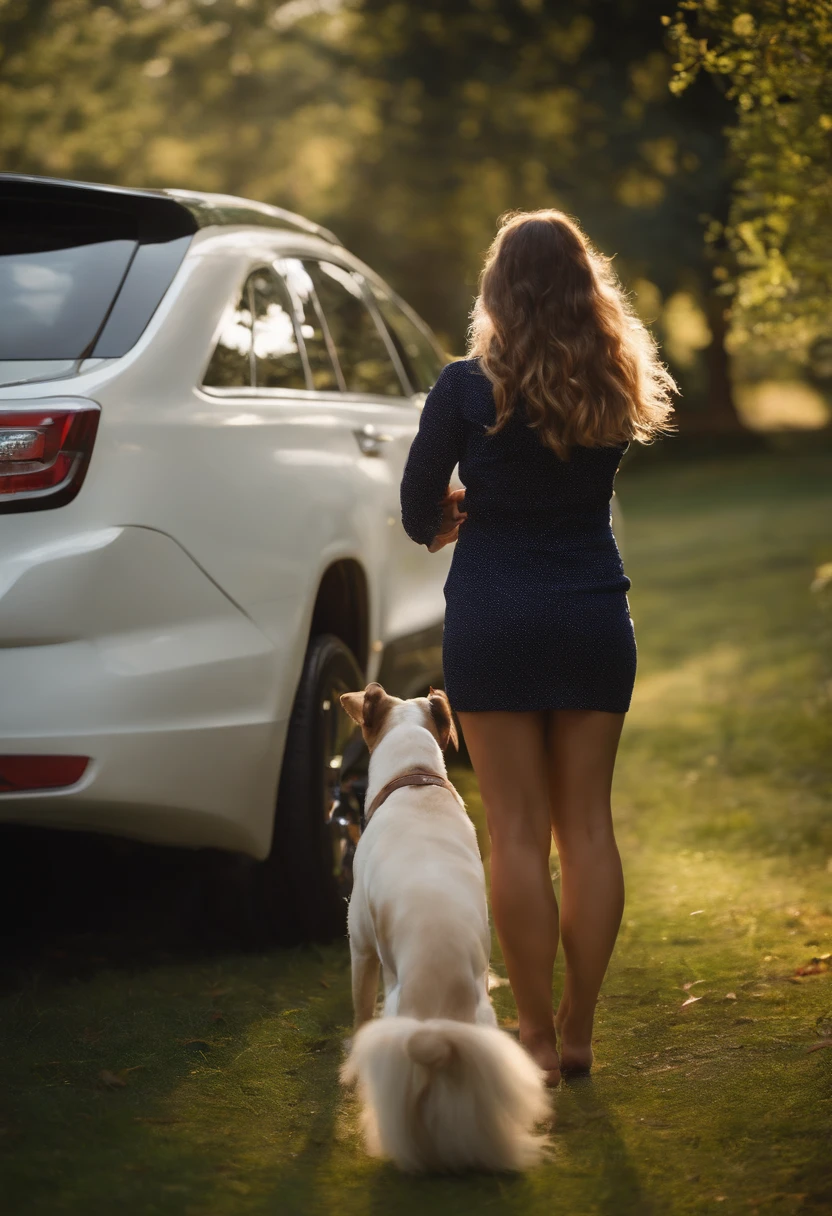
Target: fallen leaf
{"points": [[698, 912], [823, 576], [691, 984], [323, 983], [216, 1016], [818, 965], [691, 1001], [730, 996], [111, 1080], [819, 1046], [215, 992]]}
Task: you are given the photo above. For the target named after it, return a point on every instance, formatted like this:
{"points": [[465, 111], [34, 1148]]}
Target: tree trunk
{"points": [[721, 411], [712, 412]]}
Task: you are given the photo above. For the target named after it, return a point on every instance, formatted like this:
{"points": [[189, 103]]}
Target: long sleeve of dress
{"points": [[434, 452]]}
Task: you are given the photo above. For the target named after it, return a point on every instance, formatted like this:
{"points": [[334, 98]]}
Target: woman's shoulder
{"points": [[466, 379], [464, 368]]}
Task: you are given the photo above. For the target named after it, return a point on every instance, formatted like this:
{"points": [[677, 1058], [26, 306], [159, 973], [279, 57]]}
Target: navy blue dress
{"points": [[536, 598]]}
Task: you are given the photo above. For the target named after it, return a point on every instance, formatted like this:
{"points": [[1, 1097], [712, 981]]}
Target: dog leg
{"points": [[365, 968]]}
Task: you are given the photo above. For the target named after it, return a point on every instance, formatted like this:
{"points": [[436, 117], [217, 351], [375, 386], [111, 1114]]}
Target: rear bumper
{"points": [[116, 646], [210, 787]]}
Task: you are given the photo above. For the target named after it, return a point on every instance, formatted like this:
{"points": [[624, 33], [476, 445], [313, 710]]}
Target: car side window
{"points": [[362, 352], [277, 358], [230, 365], [421, 359], [319, 350]]}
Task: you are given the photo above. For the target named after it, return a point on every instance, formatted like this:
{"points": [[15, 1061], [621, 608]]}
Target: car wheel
{"points": [[300, 891]]}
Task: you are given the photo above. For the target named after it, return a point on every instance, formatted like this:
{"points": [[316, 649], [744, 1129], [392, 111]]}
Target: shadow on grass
{"points": [[72, 904]]}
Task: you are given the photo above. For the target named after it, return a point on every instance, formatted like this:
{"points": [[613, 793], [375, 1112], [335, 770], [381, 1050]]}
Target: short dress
{"points": [[537, 616]]}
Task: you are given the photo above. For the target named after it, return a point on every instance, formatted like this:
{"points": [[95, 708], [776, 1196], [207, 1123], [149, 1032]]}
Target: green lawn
{"points": [[208, 1087]]}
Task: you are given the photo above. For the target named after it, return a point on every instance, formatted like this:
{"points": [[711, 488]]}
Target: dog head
{"points": [[375, 712]]}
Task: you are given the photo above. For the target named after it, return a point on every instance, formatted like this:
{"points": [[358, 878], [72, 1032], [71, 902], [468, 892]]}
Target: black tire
{"points": [[299, 893]]}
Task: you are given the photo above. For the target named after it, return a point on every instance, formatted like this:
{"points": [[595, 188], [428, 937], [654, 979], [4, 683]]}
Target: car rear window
{"points": [[61, 267]]}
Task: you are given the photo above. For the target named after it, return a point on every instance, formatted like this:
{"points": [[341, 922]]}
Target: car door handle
{"points": [[370, 440]]}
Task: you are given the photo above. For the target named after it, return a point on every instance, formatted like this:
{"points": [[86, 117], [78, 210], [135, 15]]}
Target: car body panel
{"points": [[158, 622]]}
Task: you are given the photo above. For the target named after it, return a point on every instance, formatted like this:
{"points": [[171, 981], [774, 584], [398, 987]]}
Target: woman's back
{"points": [[511, 473], [536, 611], [519, 495]]}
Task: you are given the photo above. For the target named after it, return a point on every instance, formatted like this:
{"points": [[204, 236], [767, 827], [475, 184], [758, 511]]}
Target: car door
{"points": [[378, 394], [304, 494], [421, 575]]}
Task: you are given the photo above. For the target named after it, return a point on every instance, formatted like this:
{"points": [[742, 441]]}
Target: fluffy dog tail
{"points": [[442, 1095]]}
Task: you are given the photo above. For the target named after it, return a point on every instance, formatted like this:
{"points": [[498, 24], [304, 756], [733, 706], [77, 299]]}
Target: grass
{"points": [[205, 1085]]}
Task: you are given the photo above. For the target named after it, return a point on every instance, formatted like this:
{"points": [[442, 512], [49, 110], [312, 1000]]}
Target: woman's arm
{"points": [[427, 508]]}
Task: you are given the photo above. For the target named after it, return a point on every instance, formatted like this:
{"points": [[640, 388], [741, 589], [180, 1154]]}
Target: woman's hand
{"points": [[452, 519]]}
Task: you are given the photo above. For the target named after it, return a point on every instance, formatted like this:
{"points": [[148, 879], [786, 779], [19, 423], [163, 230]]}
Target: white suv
{"points": [[205, 410]]}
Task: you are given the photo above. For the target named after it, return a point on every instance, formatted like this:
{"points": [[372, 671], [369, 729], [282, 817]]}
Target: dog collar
{"points": [[417, 777]]}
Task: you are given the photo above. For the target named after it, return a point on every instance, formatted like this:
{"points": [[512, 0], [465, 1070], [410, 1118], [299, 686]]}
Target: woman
{"points": [[539, 653]]}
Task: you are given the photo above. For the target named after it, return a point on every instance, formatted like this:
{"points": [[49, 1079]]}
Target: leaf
{"points": [[216, 1016], [698, 912], [819, 965], [819, 1046], [730, 996], [111, 1079], [691, 1001], [691, 984]]}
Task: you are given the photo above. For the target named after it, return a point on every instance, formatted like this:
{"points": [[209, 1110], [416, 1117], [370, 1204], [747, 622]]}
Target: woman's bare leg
{"points": [[581, 749], [508, 752]]}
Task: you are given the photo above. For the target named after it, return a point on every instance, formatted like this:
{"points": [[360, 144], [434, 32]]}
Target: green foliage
{"points": [[408, 128], [776, 58]]}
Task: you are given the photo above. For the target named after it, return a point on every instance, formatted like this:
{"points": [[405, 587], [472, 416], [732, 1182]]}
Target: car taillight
{"points": [[22, 774], [44, 453]]}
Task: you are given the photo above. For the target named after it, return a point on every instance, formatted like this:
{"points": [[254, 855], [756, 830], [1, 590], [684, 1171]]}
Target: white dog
{"points": [[441, 1087]]}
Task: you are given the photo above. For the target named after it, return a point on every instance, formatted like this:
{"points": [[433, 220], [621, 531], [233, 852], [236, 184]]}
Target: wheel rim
{"points": [[343, 796]]}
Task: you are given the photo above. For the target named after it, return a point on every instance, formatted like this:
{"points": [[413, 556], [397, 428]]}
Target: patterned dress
{"points": [[536, 616]]}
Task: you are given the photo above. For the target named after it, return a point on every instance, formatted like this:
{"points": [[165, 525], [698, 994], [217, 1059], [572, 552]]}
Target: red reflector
{"points": [[44, 453], [21, 773]]}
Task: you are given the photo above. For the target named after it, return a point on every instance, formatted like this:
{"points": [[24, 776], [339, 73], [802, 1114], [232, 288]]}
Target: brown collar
{"points": [[415, 777]]}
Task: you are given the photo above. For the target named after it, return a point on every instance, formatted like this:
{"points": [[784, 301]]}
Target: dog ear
{"points": [[440, 708], [353, 703], [374, 695]]}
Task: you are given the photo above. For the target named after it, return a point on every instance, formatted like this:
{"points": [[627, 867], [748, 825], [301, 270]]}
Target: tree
{"points": [[408, 128], [776, 59], [495, 104]]}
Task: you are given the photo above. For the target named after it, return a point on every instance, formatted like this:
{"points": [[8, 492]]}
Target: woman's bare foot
{"points": [[542, 1047], [575, 1060], [575, 1044]]}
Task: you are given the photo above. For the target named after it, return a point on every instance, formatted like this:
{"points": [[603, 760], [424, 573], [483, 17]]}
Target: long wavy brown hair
{"points": [[552, 326]]}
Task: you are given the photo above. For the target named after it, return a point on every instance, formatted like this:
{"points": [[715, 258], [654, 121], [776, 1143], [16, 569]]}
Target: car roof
{"points": [[180, 211]]}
